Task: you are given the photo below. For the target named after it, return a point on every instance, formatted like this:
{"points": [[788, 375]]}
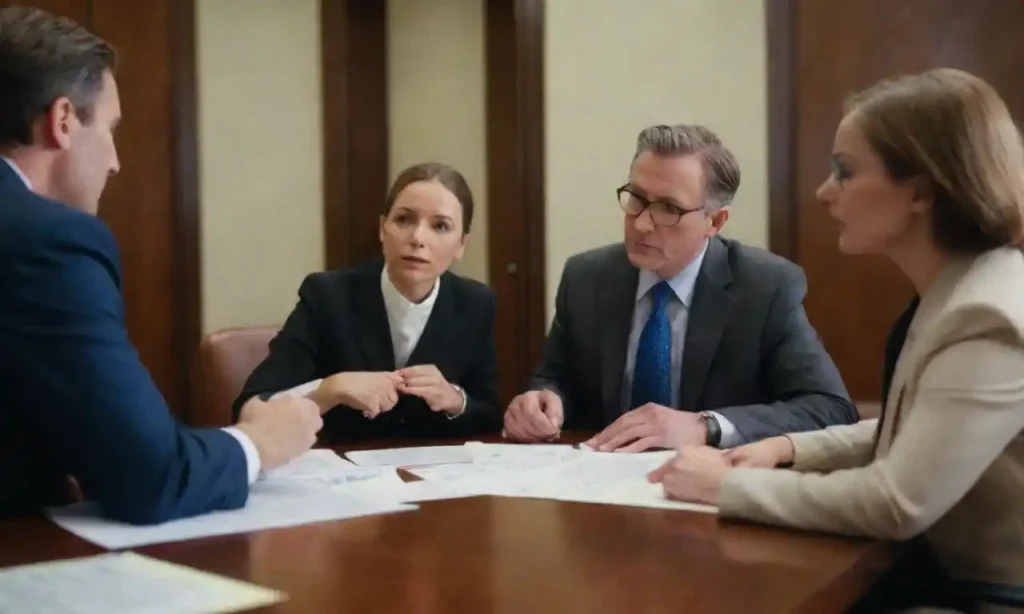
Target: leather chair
{"points": [[225, 360]]}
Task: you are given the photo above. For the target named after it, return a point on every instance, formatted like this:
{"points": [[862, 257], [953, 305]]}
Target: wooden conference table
{"points": [[494, 554]]}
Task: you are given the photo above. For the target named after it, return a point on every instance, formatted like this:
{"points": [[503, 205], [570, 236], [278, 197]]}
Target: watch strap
{"points": [[713, 427]]}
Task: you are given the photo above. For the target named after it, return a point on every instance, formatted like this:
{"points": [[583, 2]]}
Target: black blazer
{"points": [[340, 324]]}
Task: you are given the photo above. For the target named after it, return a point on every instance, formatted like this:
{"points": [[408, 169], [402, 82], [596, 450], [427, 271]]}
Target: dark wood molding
{"points": [[782, 198], [530, 49], [353, 62], [186, 188], [514, 47]]}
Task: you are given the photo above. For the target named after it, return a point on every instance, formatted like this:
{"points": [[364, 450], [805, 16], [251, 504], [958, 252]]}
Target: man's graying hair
{"points": [[721, 170]]}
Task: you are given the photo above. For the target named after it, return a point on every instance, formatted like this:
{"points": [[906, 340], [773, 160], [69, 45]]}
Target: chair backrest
{"points": [[226, 359]]}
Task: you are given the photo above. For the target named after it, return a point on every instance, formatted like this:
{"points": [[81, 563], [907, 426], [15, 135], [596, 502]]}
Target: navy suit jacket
{"points": [[75, 400], [341, 324]]}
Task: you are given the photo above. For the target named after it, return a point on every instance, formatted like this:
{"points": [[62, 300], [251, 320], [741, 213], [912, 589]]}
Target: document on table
{"points": [[125, 583], [448, 473], [351, 481], [416, 492], [409, 457], [323, 470], [313, 462], [492, 459], [268, 508], [599, 477]]}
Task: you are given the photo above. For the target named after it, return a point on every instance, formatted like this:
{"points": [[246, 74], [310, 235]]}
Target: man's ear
{"points": [[718, 220], [59, 123]]}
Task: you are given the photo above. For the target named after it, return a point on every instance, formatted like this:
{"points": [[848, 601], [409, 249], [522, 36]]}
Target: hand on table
{"points": [[695, 475], [650, 426]]}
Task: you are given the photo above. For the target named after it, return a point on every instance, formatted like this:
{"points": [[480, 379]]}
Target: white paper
{"points": [[323, 470], [479, 449], [125, 583], [351, 481], [500, 458], [313, 462], [447, 473], [599, 477], [493, 460], [415, 492], [409, 457], [270, 506]]}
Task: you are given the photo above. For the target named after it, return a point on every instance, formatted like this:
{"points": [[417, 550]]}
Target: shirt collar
{"points": [[393, 299], [17, 171], [682, 284]]}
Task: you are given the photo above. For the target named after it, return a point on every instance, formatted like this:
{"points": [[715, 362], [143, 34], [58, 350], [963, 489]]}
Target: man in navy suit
{"points": [[74, 398]]}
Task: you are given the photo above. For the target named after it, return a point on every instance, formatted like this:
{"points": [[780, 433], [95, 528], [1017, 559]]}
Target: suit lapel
{"points": [[618, 299], [710, 311], [431, 347], [370, 322], [915, 346]]}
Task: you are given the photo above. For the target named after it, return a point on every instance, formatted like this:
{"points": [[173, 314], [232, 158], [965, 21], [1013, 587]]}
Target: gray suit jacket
{"points": [[750, 353]]}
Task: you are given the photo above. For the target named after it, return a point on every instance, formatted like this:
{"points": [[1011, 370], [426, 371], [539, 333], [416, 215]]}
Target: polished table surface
{"points": [[495, 554]]}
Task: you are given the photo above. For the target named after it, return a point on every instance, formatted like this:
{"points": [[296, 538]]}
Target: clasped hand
{"points": [[376, 392], [534, 416]]}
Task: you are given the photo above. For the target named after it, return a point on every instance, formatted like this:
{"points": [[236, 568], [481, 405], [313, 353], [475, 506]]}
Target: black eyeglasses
{"points": [[662, 213]]}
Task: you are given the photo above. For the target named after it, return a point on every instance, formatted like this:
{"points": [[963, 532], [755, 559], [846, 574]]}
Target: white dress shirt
{"points": [[678, 309], [252, 455], [406, 320]]}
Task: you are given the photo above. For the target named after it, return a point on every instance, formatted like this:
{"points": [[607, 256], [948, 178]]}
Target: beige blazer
{"points": [[946, 458]]}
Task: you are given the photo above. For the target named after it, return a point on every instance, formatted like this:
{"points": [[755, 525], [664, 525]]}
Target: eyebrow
{"points": [[661, 199], [841, 155], [440, 216]]}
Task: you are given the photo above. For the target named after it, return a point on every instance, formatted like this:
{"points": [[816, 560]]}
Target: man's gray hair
{"points": [[721, 170]]}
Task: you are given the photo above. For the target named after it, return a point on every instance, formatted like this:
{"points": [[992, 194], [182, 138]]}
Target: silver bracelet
{"points": [[462, 410]]}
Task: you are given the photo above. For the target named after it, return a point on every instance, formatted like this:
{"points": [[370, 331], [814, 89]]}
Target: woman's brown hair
{"points": [[952, 130], [441, 173]]}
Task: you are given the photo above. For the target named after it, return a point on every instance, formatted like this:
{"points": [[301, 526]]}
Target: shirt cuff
{"points": [[730, 436], [252, 455], [298, 391]]}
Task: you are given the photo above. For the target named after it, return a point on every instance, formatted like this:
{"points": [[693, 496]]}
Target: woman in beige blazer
{"points": [[928, 170]]}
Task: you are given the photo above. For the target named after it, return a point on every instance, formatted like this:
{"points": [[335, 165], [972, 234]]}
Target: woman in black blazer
{"points": [[398, 347]]}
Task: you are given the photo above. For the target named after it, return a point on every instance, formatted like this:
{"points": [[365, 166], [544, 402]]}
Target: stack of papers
{"points": [[544, 471], [321, 486], [127, 583]]}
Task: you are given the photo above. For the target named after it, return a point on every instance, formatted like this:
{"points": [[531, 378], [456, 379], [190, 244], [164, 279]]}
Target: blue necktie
{"points": [[652, 373]]}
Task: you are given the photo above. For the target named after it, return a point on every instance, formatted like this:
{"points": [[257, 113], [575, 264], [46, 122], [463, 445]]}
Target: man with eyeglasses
{"points": [[678, 336]]}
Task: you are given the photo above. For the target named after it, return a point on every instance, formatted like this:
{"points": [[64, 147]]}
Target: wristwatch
{"points": [[464, 399], [713, 427]]}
